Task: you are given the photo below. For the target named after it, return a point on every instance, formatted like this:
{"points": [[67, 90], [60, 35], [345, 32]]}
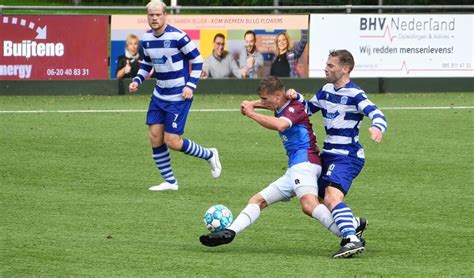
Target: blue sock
{"points": [[161, 156], [342, 215], [193, 149]]}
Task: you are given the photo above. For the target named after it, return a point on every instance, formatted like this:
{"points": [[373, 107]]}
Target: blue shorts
{"points": [[171, 114], [339, 171]]}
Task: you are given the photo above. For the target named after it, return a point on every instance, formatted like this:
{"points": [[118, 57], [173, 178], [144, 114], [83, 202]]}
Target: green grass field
{"points": [[74, 199]]}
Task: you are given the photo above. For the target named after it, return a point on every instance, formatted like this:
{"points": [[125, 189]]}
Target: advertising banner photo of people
{"points": [[232, 46]]}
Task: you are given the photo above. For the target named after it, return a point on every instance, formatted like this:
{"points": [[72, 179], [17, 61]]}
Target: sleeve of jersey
{"points": [[191, 53], [145, 68], [310, 106], [372, 111], [295, 114]]}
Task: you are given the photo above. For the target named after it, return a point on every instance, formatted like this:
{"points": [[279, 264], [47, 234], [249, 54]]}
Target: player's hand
{"points": [[187, 93], [133, 87], [291, 94], [242, 105], [246, 108], [375, 134]]}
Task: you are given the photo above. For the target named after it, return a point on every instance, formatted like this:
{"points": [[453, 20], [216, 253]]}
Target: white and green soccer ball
{"points": [[217, 218]]}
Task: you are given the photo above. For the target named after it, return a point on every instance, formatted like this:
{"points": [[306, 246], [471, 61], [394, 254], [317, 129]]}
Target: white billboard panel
{"points": [[388, 45]]}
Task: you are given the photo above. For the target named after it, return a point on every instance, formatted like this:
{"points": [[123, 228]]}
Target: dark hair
{"points": [[251, 32], [344, 56], [219, 35], [270, 85]]}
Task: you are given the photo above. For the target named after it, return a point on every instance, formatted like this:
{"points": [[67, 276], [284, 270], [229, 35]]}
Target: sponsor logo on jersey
{"points": [[159, 61], [344, 100], [332, 115]]}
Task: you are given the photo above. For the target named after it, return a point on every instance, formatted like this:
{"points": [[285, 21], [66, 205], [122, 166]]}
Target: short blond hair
{"points": [[154, 4]]}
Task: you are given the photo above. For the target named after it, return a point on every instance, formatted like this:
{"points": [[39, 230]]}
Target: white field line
{"points": [[211, 110]]}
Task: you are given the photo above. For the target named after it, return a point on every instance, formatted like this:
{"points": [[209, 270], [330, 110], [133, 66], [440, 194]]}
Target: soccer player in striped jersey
{"points": [[343, 105], [304, 166], [170, 52]]}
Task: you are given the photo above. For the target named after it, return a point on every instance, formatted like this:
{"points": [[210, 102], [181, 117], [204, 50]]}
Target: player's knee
{"points": [[333, 196], [258, 200], [155, 139], [332, 200], [173, 142]]}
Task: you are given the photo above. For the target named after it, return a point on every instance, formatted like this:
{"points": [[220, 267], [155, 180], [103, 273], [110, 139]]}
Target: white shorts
{"points": [[300, 179]]}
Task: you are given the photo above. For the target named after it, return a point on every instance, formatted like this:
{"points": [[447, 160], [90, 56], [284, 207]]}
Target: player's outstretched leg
{"points": [[324, 216], [210, 154], [162, 160]]}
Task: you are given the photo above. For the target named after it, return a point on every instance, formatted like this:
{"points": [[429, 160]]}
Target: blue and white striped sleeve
{"points": [[191, 53], [371, 110], [145, 68], [313, 105], [310, 106]]}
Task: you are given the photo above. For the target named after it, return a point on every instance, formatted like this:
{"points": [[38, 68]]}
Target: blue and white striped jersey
{"points": [[343, 110], [169, 55]]}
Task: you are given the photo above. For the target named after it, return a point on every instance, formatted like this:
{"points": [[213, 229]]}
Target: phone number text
{"points": [[67, 72]]}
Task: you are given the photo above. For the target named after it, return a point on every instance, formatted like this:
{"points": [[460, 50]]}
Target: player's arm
{"points": [[270, 122], [258, 104], [145, 68], [192, 54], [369, 109], [311, 106]]}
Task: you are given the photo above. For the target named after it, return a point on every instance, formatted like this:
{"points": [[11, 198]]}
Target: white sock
{"points": [[353, 238], [322, 213], [246, 217]]}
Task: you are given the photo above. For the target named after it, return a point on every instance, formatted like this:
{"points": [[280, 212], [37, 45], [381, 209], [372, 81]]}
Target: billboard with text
{"points": [[34, 47], [202, 28], [388, 45]]}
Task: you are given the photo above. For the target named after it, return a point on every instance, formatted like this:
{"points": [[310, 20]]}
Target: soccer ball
{"points": [[217, 218]]}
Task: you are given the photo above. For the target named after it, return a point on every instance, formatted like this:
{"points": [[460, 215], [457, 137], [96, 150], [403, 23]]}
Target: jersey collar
{"points": [[283, 107]]}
